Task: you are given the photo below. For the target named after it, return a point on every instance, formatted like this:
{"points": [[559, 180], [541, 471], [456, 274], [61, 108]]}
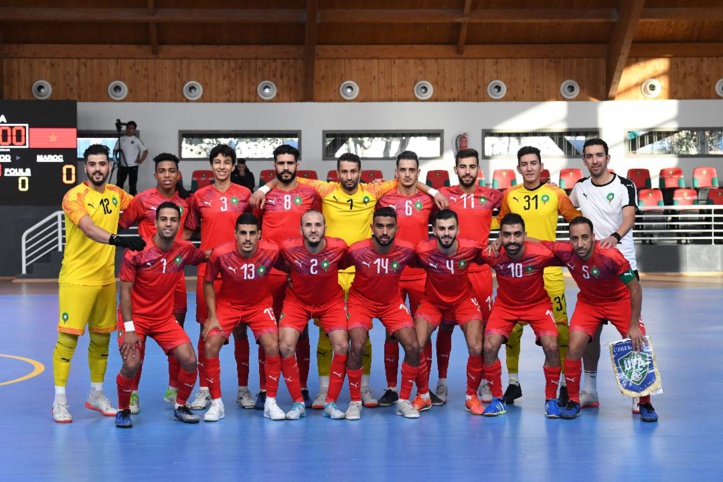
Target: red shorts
{"points": [[278, 283], [503, 319], [482, 287], [201, 308], [461, 313], [330, 316], [168, 333], [260, 318], [394, 316], [588, 317], [414, 288], [180, 299]]}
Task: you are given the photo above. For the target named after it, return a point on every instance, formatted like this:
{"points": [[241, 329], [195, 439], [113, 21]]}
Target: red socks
{"points": [[201, 360], [262, 369], [336, 377], [391, 362], [125, 388], [241, 353], [212, 369], [137, 378], [423, 376], [355, 378], [552, 380], [273, 371], [474, 374], [444, 348], [303, 359], [173, 368], [186, 381], [409, 374], [573, 370], [291, 374], [493, 375]]}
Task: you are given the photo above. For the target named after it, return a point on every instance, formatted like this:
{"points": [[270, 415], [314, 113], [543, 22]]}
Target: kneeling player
{"points": [[610, 291], [244, 298], [148, 282], [521, 297], [379, 262]]}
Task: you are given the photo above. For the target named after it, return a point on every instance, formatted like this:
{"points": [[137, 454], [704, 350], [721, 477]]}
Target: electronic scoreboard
{"points": [[38, 149]]}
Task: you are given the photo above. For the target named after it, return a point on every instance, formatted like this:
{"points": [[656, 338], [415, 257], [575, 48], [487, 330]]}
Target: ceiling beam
{"points": [[463, 28], [312, 17], [702, 14], [668, 50], [621, 38], [153, 28], [86, 51]]}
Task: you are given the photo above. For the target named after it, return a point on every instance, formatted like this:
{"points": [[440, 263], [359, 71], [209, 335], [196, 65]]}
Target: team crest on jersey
{"points": [[325, 265], [297, 200], [262, 270], [463, 264], [65, 317], [366, 200], [418, 205], [482, 200], [180, 208], [115, 201], [529, 269], [178, 259], [545, 198], [595, 272], [395, 265], [234, 200], [610, 197], [281, 317]]}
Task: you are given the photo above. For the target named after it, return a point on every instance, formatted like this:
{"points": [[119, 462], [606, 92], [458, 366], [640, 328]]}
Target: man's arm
{"points": [[143, 157], [100, 235], [623, 229], [440, 200], [130, 339], [636, 306]]}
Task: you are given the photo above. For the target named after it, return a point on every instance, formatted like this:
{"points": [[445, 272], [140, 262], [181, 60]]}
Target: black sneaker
{"points": [[436, 401], [185, 415], [123, 418], [389, 398], [260, 400], [563, 398], [512, 393], [305, 394]]}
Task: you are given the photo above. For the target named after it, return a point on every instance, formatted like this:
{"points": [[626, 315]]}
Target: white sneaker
{"points": [[320, 399], [272, 410], [244, 399], [636, 409], [406, 410], [354, 411], [368, 398], [331, 411], [297, 411], [441, 392], [135, 404], [485, 394], [61, 413], [101, 404], [216, 412], [170, 395], [201, 400], [588, 399]]}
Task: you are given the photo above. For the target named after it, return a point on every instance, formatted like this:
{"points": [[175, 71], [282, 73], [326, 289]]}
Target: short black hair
{"points": [[165, 156], [96, 149], [581, 220], [223, 149], [168, 205], [465, 153], [595, 141], [512, 218], [410, 155], [348, 157], [241, 160], [528, 150], [132, 123], [385, 212], [247, 218], [286, 149], [445, 214]]}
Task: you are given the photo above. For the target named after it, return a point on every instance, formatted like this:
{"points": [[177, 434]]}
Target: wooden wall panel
{"points": [[680, 78]]}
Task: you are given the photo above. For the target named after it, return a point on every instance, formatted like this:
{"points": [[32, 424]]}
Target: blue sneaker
{"points": [[552, 409], [496, 407], [260, 400], [647, 413], [123, 418], [570, 411]]}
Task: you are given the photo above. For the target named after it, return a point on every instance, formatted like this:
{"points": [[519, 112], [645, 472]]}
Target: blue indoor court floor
{"points": [[683, 318]]}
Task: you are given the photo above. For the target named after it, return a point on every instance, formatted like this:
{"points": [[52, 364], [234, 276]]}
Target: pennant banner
{"points": [[636, 372]]}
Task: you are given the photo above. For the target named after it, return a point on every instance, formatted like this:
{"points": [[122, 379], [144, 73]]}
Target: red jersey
{"points": [[142, 212], [314, 278], [447, 282], [474, 211], [155, 274], [245, 281], [377, 275], [520, 282], [413, 213], [215, 213], [281, 216], [602, 278]]}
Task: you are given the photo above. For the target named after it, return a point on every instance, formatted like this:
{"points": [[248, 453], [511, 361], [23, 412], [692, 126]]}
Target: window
{"points": [[382, 144], [550, 143], [676, 142], [87, 138], [248, 144]]}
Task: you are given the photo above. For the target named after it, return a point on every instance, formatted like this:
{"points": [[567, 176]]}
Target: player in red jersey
{"points": [[610, 291], [213, 211], [148, 279], [474, 205], [313, 261], [521, 298], [413, 208], [448, 296], [379, 263], [142, 211], [280, 220], [244, 298]]}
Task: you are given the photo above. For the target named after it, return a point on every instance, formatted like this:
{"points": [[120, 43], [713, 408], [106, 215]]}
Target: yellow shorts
{"points": [[556, 291], [92, 305]]}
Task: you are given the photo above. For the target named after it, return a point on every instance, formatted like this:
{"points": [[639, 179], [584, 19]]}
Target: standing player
{"points": [[379, 262], [214, 210], [449, 296], [413, 209], [474, 205], [610, 291], [280, 220], [521, 298], [313, 261], [539, 204], [348, 206], [148, 282], [143, 211], [244, 297], [86, 291], [610, 202]]}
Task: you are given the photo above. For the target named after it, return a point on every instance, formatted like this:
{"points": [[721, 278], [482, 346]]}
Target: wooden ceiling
{"points": [[613, 30]]}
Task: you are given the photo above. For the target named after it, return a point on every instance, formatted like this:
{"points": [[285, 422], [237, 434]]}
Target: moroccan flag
{"points": [[53, 138]]}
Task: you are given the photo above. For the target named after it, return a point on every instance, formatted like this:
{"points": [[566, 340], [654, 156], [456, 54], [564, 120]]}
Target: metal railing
{"points": [[42, 238]]}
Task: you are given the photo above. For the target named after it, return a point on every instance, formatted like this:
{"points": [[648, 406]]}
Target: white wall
{"points": [[160, 124]]}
